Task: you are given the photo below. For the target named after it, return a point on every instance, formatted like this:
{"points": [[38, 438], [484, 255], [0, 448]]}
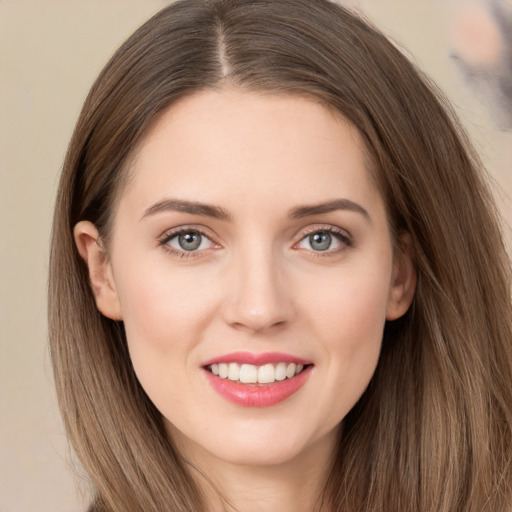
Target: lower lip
{"points": [[258, 395]]}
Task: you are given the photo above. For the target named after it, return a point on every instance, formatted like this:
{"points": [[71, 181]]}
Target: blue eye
{"points": [[323, 240], [188, 241], [320, 241]]}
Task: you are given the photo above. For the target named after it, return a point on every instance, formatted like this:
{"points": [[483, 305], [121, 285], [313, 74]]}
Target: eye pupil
{"points": [[189, 241], [320, 241]]}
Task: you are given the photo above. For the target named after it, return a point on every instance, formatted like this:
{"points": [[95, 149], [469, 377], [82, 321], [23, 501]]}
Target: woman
{"points": [[277, 279]]}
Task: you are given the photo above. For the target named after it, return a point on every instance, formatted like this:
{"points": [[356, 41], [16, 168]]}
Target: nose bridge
{"points": [[259, 298]]}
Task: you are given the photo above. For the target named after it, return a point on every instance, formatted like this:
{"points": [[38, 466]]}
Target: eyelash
{"points": [[164, 240], [341, 235]]}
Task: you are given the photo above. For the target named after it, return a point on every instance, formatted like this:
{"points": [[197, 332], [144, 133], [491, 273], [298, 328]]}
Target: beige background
{"points": [[50, 52]]}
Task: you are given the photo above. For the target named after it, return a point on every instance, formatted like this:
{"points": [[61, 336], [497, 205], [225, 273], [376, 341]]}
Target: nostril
{"points": [[258, 299]]}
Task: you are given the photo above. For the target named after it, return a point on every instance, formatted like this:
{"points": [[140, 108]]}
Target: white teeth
{"points": [[223, 370], [266, 374], [290, 370], [251, 374], [281, 371], [234, 371], [248, 374]]}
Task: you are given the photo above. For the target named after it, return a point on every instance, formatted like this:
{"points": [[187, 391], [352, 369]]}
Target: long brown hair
{"points": [[433, 431]]}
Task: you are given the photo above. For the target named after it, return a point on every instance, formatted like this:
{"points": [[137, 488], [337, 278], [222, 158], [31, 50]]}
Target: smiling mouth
{"points": [[253, 374]]}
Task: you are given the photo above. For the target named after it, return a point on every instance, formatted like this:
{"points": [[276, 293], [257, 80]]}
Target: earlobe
{"points": [[403, 284], [101, 279]]}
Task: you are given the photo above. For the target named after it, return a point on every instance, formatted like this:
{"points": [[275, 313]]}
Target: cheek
{"points": [[157, 302], [353, 326], [164, 313], [351, 307], [349, 320]]}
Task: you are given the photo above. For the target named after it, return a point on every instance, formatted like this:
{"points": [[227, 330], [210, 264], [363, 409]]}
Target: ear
{"points": [[403, 282], [89, 246]]}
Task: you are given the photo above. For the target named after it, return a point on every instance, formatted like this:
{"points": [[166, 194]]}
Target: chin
{"points": [[248, 444], [261, 453]]}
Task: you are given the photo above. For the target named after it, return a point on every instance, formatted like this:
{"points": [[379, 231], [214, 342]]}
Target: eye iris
{"points": [[189, 241], [320, 241]]}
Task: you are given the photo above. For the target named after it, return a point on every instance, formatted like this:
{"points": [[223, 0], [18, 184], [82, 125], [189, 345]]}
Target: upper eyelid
{"points": [[343, 236], [168, 234], [172, 232], [323, 227]]}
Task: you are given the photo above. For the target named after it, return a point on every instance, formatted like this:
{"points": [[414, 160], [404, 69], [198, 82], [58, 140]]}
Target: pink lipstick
{"points": [[257, 380]]}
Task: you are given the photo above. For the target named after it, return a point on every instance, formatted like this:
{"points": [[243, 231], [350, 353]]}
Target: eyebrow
{"points": [[216, 212], [330, 206], [192, 207]]}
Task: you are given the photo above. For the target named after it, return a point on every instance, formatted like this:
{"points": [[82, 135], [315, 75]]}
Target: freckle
{"points": [[476, 37]]}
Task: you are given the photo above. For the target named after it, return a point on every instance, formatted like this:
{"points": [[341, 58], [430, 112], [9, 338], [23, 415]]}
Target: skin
{"points": [[256, 284]]}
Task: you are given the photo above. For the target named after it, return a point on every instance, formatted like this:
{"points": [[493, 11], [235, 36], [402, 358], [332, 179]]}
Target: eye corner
{"points": [[324, 241], [187, 242]]}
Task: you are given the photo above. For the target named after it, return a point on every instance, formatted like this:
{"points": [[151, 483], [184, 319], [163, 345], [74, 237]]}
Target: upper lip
{"points": [[256, 359]]}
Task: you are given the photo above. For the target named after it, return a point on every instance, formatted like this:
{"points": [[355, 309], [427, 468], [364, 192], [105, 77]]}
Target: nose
{"points": [[260, 298]]}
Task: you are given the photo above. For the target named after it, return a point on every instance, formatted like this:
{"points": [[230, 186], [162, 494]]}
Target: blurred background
{"points": [[50, 52]]}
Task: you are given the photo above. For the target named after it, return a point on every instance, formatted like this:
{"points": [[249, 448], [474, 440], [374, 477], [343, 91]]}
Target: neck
{"points": [[291, 486]]}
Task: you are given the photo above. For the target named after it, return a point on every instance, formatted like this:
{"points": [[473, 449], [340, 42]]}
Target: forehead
{"points": [[232, 145]]}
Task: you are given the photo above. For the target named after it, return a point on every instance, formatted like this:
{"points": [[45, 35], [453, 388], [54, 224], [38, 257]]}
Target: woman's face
{"points": [[252, 265]]}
